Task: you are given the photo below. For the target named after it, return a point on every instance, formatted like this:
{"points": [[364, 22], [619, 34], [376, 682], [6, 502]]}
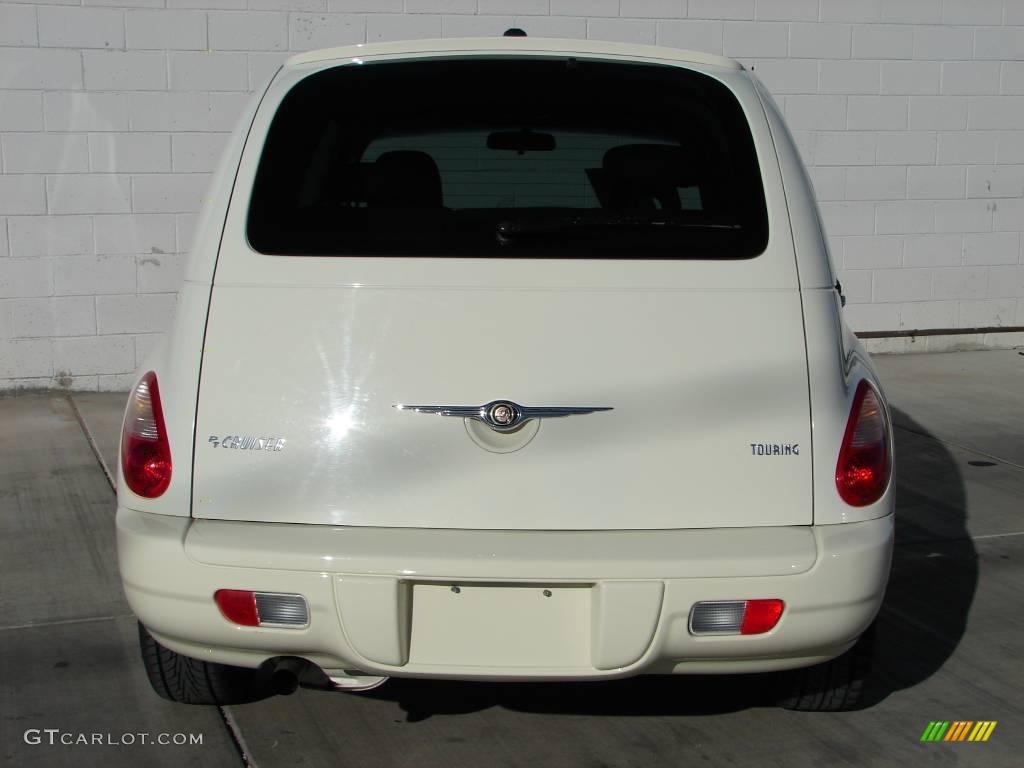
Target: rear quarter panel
{"points": [[178, 358], [836, 361]]}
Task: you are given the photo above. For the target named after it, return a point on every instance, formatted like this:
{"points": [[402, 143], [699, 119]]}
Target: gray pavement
{"points": [[949, 634], [68, 647]]}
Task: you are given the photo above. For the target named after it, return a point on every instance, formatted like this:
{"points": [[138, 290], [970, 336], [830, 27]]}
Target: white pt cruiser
{"points": [[507, 359]]}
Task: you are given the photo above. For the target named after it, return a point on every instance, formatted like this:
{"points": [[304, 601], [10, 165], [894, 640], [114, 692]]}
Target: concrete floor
{"points": [[950, 632]]}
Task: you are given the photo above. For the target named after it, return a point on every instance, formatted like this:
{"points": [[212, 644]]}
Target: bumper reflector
{"points": [[238, 606], [735, 617], [760, 616], [262, 609]]}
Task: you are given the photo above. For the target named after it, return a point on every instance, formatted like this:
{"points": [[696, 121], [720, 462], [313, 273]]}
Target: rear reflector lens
{"points": [[262, 609], [760, 616], [865, 462], [238, 606], [145, 452], [735, 617]]}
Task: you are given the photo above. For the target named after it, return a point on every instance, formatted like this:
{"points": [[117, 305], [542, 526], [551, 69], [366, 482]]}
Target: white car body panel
{"points": [[663, 458], [628, 516]]}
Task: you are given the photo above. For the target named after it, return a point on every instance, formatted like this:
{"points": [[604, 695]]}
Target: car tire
{"points": [[836, 685], [190, 681]]}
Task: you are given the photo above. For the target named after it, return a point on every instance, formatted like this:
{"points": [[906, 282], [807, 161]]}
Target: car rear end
{"points": [[600, 240]]}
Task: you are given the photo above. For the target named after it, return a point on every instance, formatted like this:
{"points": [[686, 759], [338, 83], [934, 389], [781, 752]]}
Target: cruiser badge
{"points": [[247, 443]]}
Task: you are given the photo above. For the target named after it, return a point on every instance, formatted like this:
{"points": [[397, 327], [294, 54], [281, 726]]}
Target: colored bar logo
{"points": [[958, 730]]}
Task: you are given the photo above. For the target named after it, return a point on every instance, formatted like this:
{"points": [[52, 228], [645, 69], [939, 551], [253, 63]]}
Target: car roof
{"points": [[501, 45]]}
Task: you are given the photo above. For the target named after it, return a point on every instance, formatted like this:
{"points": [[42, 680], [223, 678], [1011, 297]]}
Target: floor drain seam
{"points": [[64, 622], [92, 442], [235, 734]]}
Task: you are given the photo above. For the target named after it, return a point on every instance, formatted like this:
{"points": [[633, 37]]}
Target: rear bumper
{"points": [[530, 605]]}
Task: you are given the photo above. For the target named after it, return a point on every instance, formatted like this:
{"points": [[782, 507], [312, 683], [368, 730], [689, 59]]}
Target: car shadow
{"points": [[921, 622], [935, 565]]}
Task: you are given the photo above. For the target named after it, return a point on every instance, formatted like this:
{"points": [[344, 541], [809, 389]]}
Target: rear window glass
{"points": [[509, 158]]}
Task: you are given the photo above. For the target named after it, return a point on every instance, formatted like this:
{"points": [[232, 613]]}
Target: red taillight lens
{"points": [[238, 605], [862, 473], [760, 616], [145, 453]]}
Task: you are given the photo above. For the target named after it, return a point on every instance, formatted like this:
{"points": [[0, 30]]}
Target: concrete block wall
{"points": [[910, 114]]}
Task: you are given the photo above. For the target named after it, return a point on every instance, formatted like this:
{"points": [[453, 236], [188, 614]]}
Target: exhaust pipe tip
{"points": [[284, 682], [284, 675]]}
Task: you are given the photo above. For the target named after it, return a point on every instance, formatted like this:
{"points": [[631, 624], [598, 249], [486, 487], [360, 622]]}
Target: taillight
{"points": [[865, 463], [145, 453]]}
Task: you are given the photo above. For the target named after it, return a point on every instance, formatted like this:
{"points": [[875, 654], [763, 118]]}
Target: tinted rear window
{"points": [[509, 158]]}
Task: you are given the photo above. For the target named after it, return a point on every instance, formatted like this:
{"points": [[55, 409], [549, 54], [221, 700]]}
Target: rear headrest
{"points": [[649, 176], [404, 179], [664, 163]]}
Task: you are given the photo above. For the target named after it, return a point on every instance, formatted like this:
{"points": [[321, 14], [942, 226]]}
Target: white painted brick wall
{"points": [[196, 152], [943, 113], [34, 236], [45, 153], [909, 113], [20, 193], [88, 193], [21, 111], [135, 233], [166, 29], [18, 25], [71, 27], [129, 152], [124, 70], [213, 71], [255, 31], [85, 111], [168, 112], [307, 31], [93, 275], [60, 316]]}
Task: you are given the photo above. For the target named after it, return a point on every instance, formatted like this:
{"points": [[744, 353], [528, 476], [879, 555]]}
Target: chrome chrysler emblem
{"points": [[503, 415]]}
